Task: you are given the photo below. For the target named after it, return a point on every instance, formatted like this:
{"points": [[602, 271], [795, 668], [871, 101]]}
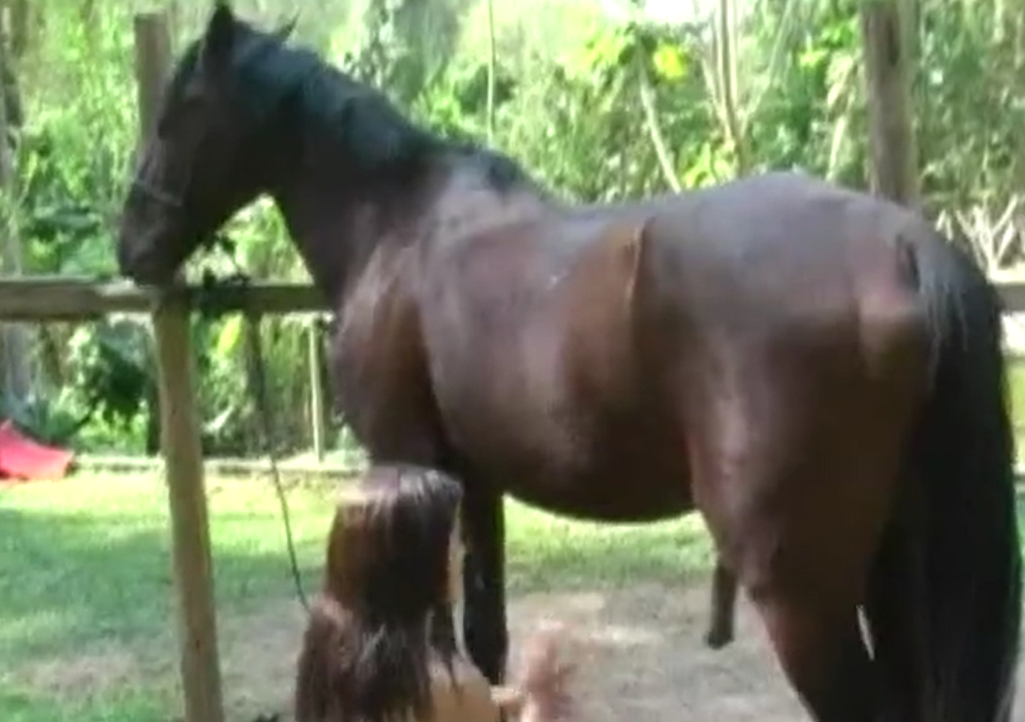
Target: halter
{"points": [[157, 195], [174, 204]]}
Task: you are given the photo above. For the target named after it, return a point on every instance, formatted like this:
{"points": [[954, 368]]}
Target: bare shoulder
{"points": [[467, 699]]}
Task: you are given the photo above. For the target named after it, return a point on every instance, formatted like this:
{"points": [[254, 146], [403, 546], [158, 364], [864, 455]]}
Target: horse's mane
{"points": [[370, 130]]}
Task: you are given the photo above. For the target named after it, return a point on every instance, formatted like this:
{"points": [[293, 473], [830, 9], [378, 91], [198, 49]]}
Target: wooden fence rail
{"points": [[45, 299], [1011, 285]]}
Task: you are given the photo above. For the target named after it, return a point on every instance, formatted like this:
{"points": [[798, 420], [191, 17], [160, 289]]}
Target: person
{"points": [[394, 555]]}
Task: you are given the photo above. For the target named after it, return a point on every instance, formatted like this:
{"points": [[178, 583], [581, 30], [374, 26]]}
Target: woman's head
{"points": [[394, 552], [393, 559]]}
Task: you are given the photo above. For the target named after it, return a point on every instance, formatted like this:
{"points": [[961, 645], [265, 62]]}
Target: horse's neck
{"points": [[467, 203], [337, 231], [328, 232]]}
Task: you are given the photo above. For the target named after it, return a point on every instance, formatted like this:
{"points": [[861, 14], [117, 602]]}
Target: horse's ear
{"points": [[219, 36], [284, 32]]}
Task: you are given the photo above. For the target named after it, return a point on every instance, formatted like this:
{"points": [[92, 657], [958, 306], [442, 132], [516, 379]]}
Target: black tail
{"points": [[968, 597]]}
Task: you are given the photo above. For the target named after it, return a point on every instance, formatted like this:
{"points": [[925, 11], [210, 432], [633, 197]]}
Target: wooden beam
{"points": [[318, 407], [1013, 295], [180, 437], [190, 525], [297, 469], [152, 67], [43, 299], [56, 298], [887, 48]]}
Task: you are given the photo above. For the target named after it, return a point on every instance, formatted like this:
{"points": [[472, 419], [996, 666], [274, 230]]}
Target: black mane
{"points": [[374, 135]]}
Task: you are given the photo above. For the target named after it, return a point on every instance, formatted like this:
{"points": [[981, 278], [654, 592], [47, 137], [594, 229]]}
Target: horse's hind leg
{"points": [[823, 656], [892, 610], [484, 613], [724, 599]]}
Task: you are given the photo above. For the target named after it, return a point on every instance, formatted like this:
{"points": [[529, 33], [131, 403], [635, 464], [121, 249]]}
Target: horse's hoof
{"points": [[716, 639]]}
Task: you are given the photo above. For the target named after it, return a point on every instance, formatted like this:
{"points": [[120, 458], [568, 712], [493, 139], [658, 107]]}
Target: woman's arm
{"points": [[508, 699], [480, 702], [473, 703], [473, 700]]}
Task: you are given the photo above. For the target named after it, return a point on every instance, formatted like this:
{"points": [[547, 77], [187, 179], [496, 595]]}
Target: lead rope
{"points": [[258, 389]]}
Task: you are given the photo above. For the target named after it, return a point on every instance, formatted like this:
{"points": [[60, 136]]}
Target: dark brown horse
{"points": [[814, 369]]}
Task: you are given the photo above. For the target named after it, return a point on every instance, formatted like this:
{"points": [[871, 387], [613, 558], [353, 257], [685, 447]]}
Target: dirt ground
{"points": [[641, 655]]}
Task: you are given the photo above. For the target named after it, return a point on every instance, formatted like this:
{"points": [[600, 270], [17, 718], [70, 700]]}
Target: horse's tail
{"points": [[965, 559]]}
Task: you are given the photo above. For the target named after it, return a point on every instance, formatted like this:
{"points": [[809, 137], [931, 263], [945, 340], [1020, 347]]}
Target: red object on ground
{"points": [[28, 460]]}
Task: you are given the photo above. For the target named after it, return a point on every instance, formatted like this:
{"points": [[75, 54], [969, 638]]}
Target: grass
{"points": [[84, 566], [1016, 391]]}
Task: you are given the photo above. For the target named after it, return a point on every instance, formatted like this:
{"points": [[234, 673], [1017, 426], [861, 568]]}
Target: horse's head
{"points": [[208, 156]]}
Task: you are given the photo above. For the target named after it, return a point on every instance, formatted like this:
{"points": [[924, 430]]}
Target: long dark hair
{"points": [[367, 652]]}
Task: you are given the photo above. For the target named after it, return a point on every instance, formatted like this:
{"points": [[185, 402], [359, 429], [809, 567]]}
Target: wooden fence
{"points": [[41, 300]]}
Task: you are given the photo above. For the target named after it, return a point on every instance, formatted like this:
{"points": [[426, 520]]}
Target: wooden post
{"points": [[152, 66], [180, 438], [886, 27], [190, 526], [317, 421]]}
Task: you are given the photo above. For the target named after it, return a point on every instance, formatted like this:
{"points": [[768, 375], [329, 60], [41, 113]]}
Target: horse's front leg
{"points": [[484, 620], [723, 608]]}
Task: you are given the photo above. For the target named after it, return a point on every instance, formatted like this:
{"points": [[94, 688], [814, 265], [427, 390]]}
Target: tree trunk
{"points": [[15, 357], [20, 14]]}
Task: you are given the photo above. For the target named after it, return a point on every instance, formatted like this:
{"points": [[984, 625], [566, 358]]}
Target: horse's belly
{"points": [[604, 496], [625, 474]]}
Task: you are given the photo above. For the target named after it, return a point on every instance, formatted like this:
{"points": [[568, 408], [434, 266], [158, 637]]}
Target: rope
{"points": [[260, 396], [207, 306]]}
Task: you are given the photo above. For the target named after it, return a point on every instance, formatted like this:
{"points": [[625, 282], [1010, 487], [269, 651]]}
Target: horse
{"points": [[814, 369]]}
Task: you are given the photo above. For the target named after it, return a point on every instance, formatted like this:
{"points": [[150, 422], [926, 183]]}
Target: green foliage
{"points": [[110, 379]]}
